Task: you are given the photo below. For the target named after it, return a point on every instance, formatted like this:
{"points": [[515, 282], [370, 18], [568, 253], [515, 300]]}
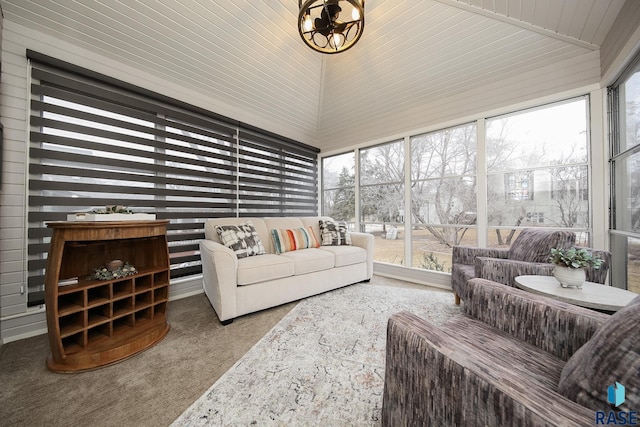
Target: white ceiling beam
{"points": [[518, 23]]}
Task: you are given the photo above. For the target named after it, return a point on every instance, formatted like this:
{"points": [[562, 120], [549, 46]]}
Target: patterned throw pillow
{"points": [[243, 239], [334, 233], [287, 240]]}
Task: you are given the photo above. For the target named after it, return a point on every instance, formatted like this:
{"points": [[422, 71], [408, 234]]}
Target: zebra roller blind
{"points": [[97, 141]]}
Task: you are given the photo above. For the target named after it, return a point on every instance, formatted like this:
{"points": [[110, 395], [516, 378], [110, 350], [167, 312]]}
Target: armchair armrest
{"points": [[219, 277], [506, 270], [467, 254], [598, 275], [365, 241], [431, 378], [553, 326]]}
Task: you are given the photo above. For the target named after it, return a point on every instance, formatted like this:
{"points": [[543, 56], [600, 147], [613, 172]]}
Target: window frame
{"points": [[481, 226]]}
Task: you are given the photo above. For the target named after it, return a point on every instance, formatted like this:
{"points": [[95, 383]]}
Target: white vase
{"points": [[570, 277]]}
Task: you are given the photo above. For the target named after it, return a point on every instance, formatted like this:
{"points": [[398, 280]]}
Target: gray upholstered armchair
{"points": [[528, 255], [512, 358]]}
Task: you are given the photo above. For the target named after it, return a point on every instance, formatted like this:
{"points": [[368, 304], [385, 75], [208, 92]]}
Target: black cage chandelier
{"points": [[320, 27]]}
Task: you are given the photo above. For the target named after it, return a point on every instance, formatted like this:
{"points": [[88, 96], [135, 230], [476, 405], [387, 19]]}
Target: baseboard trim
{"points": [[183, 288], [420, 276]]}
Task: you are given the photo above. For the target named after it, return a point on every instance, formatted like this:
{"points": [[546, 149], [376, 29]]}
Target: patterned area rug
{"points": [[322, 364]]}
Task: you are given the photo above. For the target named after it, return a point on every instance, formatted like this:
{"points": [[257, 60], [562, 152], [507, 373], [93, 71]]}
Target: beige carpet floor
{"points": [[150, 389]]}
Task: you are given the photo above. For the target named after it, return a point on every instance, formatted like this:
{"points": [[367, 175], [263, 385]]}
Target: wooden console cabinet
{"points": [[93, 323]]}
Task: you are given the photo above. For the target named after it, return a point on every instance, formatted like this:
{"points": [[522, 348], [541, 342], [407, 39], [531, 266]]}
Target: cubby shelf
{"points": [[94, 323]]}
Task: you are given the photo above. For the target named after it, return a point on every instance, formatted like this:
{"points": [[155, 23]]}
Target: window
{"points": [[535, 217], [275, 178], [624, 114], [537, 170], [443, 194], [517, 186], [95, 141], [382, 199]]}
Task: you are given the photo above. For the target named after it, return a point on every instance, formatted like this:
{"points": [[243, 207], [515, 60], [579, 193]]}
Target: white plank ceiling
{"points": [[417, 62]]}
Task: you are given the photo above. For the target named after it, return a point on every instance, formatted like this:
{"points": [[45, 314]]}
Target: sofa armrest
{"points": [[506, 270], [431, 378], [365, 241], [467, 254], [553, 326], [220, 277]]}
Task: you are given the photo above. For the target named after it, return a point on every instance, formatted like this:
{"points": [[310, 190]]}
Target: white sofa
{"points": [[239, 286]]}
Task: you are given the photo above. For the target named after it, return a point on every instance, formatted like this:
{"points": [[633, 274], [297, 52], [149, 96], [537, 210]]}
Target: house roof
{"points": [[419, 62]]}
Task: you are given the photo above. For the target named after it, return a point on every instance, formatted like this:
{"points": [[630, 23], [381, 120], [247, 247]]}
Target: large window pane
{"points": [[382, 199], [624, 97], [443, 191], [537, 163]]}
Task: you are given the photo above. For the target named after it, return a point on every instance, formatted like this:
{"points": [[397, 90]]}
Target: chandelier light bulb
{"points": [[308, 23], [336, 40], [355, 14]]}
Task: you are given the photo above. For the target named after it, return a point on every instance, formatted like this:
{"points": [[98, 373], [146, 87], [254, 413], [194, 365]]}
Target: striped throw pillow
{"points": [[287, 240]]}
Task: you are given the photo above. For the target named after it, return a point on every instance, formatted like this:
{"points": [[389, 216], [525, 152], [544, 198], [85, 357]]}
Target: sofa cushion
{"points": [[611, 356], [534, 244], [263, 268], [242, 239], [291, 239], [310, 260], [334, 233], [346, 255]]}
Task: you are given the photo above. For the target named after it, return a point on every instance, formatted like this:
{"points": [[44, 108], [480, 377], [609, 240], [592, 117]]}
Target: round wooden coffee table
{"points": [[592, 295]]}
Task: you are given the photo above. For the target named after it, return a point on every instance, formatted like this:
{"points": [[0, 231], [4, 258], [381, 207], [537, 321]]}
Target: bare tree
{"points": [[382, 182], [443, 182], [570, 193]]}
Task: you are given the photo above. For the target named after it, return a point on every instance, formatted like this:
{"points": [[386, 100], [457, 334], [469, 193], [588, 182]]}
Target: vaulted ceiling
{"points": [[418, 62]]}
